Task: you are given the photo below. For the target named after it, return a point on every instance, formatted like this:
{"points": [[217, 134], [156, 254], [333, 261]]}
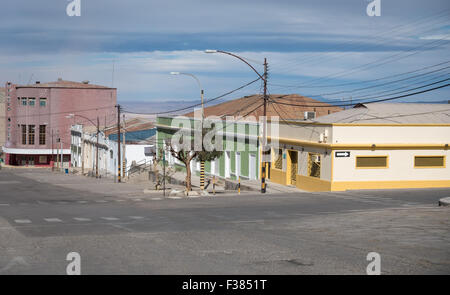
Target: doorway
{"points": [[292, 167], [252, 168]]}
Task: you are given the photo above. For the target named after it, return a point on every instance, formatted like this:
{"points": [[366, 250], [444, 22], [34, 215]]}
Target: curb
{"points": [[444, 201]]}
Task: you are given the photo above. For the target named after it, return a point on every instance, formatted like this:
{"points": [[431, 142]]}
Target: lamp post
{"points": [[96, 152], [264, 78], [202, 163]]}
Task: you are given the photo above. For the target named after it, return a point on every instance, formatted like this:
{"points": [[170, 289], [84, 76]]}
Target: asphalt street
{"points": [[117, 229]]}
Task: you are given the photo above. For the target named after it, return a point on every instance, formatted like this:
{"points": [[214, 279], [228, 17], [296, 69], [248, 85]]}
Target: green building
{"points": [[241, 148]]}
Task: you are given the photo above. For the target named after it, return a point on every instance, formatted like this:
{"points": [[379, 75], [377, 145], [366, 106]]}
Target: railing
{"points": [[137, 167]]}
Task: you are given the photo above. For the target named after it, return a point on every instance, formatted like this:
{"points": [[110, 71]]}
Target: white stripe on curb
{"points": [[136, 217]]}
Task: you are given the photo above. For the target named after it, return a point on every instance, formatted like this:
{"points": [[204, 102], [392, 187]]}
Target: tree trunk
{"points": [[188, 177]]}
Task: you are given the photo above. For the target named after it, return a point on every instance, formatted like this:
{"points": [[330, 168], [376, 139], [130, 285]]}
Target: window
{"points": [[429, 162], [314, 165], [31, 101], [24, 101], [42, 102], [24, 134], [41, 134], [372, 162], [279, 159], [30, 134]]}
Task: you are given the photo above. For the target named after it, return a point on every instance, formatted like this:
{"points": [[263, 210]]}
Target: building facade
{"points": [[376, 146], [39, 118], [4, 101], [241, 148]]}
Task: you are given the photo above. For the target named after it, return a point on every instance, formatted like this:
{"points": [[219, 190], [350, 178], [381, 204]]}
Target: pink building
{"points": [[39, 117]]}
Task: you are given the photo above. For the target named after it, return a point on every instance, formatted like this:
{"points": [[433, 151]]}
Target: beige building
{"points": [[2, 119], [372, 146]]}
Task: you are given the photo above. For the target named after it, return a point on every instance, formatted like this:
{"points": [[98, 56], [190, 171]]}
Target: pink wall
{"points": [[61, 102]]}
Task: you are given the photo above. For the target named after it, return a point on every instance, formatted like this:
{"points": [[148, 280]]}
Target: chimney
{"points": [[85, 82]]}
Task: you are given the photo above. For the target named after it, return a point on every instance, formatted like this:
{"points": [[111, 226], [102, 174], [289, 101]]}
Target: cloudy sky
{"points": [[320, 48]]}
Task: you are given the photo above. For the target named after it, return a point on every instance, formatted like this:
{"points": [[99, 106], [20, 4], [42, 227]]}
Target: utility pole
{"points": [[264, 144], [124, 164], [57, 153], [82, 150], [96, 151], [164, 172], [62, 155], [202, 163], [53, 158], [118, 144]]}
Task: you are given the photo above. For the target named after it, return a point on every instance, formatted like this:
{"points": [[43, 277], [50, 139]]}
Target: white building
{"points": [[371, 146], [84, 149]]}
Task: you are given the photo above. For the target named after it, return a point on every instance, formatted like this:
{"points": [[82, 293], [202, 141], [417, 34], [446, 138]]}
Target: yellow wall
{"points": [[277, 176], [349, 185], [312, 184]]}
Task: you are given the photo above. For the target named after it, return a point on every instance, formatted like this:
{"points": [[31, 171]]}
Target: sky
{"points": [[319, 48]]}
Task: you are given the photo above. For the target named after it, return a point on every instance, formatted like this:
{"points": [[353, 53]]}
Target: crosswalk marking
{"points": [[110, 218], [22, 221], [4, 204], [82, 219], [136, 217], [52, 219]]}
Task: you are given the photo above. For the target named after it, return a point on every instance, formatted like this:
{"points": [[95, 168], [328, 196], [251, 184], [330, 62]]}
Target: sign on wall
{"points": [[342, 154]]}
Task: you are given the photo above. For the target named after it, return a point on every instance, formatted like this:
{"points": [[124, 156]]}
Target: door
{"points": [[30, 160], [252, 168], [293, 158], [238, 164], [227, 164]]}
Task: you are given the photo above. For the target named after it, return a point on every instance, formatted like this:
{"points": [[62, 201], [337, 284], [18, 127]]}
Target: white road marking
{"points": [[137, 200], [175, 198], [110, 218], [156, 199], [82, 202], [120, 200], [101, 201], [81, 219], [22, 221], [4, 204], [136, 217], [52, 219]]}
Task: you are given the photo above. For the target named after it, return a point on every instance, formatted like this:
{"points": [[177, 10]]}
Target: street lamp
{"points": [[264, 78], [202, 163], [82, 142]]}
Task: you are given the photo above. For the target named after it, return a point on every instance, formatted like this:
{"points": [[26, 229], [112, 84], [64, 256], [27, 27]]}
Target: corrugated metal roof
{"points": [[392, 113]]}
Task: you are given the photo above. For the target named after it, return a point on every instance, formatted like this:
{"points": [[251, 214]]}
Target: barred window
{"points": [[24, 134], [42, 134], [31, 101], [314, 165], [31, 134], [279, 159]]}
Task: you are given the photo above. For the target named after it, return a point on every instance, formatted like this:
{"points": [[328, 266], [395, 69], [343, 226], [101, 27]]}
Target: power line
{"points": [[380, 100], [198, 104]]}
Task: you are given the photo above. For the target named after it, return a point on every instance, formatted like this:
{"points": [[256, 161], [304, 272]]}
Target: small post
{"points": [[214, 185], [239, 185]]}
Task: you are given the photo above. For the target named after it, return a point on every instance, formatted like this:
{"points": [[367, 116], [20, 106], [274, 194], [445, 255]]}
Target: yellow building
{"points": [[371, 146]]}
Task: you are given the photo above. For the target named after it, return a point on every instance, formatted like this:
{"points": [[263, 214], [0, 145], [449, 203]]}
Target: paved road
{"points": [[119, 230]]}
